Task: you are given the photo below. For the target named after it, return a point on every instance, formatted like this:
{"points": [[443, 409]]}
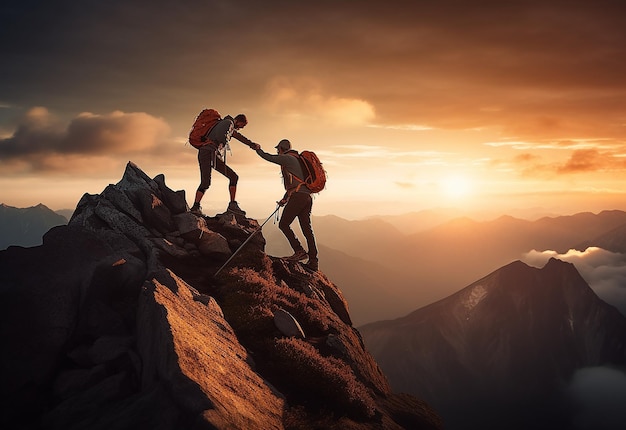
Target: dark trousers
{"points": [[299, 205], [208, 159]]}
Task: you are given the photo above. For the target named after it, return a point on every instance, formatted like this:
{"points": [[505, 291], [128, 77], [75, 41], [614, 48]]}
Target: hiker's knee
{"points": [[205, 181], [234, 178], [284, 225]]}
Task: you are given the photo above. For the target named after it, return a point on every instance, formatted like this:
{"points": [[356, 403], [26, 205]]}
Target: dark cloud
{"points": [[531, 68], [40, 137]]}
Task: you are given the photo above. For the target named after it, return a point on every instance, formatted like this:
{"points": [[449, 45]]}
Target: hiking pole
{"points": [[246, 241]]}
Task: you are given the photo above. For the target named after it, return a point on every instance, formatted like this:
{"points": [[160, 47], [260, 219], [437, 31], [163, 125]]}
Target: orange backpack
{"points": [[203, 124], [314, 173]]}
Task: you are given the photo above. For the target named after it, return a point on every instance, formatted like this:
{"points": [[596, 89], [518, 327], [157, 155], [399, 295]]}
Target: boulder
{"points": [[287, 324]]}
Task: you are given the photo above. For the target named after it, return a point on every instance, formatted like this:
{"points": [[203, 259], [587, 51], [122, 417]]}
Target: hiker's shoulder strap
{"points": [[297, 156]]}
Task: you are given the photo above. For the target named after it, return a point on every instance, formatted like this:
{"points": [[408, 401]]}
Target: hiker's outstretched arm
{"points": [[243, 139], [264, 155], [279, 159]]}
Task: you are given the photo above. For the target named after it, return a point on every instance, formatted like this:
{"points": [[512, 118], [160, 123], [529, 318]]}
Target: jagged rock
{"points": [[190, 226], [120, 200], [196, 355], [156, 213], [52, 294], [169, 247], [287, 324], [238, 230], [336, 343], [213, 244], [337, 302], [321, 288], [194, 229], [135, 179], [208, 301], [118, 321], [108, 348], [175, 200]]}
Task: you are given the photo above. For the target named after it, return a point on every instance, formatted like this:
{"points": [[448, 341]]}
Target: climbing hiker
{"points": [[211, 155], [297, 202]]}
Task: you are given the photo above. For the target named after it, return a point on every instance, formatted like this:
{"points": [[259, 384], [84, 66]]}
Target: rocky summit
{"points": [[119, 321]]}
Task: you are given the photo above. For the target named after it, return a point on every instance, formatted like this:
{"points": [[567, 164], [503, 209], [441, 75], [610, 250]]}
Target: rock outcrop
{"points": [[118, 321]]}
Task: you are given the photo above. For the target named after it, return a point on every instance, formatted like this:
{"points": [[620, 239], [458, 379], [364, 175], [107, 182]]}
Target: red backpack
{"points": [[314, 173], [203, 124]]}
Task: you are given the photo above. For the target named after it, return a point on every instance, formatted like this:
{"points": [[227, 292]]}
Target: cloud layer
{"points": [[599, 394], [604, 271], [511, 92], [534, 68], [43, 142]]}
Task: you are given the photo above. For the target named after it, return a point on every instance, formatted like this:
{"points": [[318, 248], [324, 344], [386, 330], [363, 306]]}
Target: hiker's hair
{"points": [[242, 117]]}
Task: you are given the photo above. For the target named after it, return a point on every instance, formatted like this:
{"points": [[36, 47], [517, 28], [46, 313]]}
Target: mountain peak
{"points": [[124, 316], [25, 226], [514, 337]]}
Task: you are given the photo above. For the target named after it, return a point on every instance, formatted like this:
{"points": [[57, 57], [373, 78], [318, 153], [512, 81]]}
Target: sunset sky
{"points": [[492, 107]]}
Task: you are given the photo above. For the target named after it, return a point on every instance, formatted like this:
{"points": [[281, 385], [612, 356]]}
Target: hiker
{"points": [[211, 156], [297, 201]]}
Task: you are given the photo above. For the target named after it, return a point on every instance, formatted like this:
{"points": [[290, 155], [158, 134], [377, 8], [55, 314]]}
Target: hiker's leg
{"points": [[233, 178], [304, 218], [205, 160], [289, 214]]}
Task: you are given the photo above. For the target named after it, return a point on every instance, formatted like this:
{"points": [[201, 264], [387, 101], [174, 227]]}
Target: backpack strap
{"points": [[301, 182]]}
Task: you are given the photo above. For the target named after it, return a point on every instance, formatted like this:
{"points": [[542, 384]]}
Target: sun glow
{"points": [[455, 187]]}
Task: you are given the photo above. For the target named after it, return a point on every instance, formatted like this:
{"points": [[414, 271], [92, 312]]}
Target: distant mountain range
{"points": [[407, 270], [501, 352], [414, 270], [26, 226]]}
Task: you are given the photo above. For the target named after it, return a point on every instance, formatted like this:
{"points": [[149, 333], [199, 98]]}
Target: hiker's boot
{"points": [[312, 265], [196, 209], [234, 208], [298, 256]]}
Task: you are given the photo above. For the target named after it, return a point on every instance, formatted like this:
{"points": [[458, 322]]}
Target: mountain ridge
{"points": [[119, 314], [26, 226], [413, 266], [514, 337]]}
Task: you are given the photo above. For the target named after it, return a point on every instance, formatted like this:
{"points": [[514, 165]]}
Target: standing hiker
{"points": [[297, 201], [211, 155]]}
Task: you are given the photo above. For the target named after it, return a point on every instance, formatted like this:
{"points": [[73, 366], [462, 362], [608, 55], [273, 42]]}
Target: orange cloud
{"points": [[526, 157], [41, 142], [305, 97], [586, 160]]}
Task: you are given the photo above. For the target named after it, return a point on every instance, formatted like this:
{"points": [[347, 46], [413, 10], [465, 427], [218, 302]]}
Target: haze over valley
{"points": [[387, 270]]}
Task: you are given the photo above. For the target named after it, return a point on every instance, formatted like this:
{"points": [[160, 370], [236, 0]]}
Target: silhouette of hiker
{"points": [[212, 157], [297, 201]]}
